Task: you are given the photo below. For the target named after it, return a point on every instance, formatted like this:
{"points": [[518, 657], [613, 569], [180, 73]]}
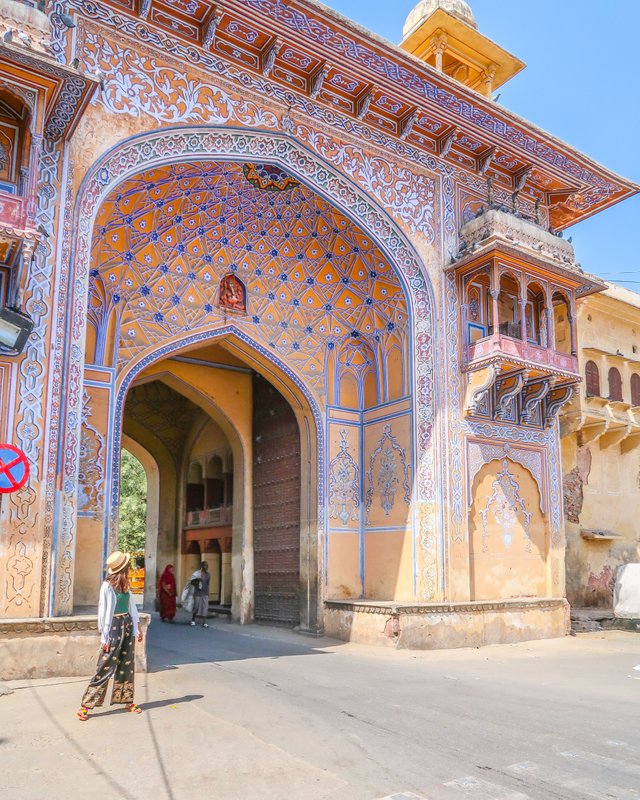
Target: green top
{"points": [[122, 603]]}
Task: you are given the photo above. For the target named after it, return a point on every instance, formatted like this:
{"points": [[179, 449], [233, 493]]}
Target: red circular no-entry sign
{"points": [[14, 469]]}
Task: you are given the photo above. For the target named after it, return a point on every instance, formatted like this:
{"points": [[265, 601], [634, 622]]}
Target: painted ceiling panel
{"points": [[164, 239]]}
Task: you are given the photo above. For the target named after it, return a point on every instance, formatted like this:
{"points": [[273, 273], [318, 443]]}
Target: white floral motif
{"points": [[388, 456], [506, 504], [388, 479], [344, 484], [408, 196], [140, 85]]}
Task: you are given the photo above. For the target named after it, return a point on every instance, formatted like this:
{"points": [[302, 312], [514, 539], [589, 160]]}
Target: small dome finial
{"points": [[425, 8]]}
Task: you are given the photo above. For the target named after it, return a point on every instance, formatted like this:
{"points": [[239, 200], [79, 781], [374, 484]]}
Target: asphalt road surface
{"points": [[262, 714]]}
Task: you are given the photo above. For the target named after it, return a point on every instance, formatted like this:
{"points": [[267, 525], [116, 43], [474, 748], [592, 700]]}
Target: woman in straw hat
{"points": [[118, 626]]}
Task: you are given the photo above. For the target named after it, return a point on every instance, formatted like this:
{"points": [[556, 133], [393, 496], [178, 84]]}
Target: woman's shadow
{"points": [[188, 698]]}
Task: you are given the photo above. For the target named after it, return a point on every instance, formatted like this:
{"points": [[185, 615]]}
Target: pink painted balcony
{"points": [[210, 517], [13, 211], [497, 347]]}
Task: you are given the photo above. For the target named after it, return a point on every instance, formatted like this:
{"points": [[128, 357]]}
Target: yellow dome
{"points": [[425, 8]]}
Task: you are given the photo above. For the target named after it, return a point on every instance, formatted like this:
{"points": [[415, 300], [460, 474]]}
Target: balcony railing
{"points": [[210, 517], [513, 347]]}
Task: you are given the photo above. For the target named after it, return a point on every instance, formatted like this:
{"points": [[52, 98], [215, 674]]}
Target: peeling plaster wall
{"points": [[601, 482]]}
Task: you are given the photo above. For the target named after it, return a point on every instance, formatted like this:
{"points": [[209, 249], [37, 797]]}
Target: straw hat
{"points": [[117, 561]]}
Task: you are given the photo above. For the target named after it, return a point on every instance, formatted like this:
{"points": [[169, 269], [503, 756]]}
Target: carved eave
{"points": [[507, 363], [67, 90], [374, 82]]}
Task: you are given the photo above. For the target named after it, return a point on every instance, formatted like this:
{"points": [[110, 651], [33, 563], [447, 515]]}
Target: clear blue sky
{"points": [[581, 84]]}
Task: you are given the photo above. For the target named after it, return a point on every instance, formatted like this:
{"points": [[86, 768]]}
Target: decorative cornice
{"points": [[392, 64], [48, 625], [424, 609], [369, 59]]}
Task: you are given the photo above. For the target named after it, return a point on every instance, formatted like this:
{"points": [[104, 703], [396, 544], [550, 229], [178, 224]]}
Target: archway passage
{"points": [[200, 414], [132, 523]]}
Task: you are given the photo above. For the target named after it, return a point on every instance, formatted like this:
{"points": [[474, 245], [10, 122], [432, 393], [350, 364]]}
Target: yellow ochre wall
{"points": [[600, 464], [508, 535]]}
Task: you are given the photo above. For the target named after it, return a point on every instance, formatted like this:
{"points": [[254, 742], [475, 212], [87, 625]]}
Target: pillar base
{"points": [[446, 625], [56, 647]]}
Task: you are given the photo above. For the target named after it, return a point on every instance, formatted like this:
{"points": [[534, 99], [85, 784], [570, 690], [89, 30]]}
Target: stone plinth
{"points": [[446, 625], [56, 647]]}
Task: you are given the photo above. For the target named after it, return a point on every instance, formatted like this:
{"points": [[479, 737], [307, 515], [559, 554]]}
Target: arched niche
{"points": [[508, 534]]}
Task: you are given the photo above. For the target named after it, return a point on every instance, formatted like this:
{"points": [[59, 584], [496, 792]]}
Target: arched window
{"points": [[592, 375], [509, 307], [561, 323], [534, 315], [635, 389], [615, 385]]}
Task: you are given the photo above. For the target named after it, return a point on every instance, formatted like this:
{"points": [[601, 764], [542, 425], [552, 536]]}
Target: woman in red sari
{"points": [[167, 594]]}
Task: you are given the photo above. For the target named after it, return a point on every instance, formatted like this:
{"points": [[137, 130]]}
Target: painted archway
{"points": [[206, 144]]}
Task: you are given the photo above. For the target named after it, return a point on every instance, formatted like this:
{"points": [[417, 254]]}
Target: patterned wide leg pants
{"points": [[119, 662]]}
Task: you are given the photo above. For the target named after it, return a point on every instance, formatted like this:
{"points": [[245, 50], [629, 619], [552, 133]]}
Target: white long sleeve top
{"points": [[107, 606]]}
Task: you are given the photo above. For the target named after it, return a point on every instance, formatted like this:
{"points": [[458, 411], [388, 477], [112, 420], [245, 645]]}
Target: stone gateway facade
{"points": [[316, 284]]}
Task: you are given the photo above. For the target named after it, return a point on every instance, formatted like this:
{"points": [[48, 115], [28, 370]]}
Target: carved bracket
{"points": [[210, 28], [507, 389], [405, 126], [532, 397], [480, 384], [317, 80], [364, 103], [520, 178], [484, 161], [446, 142], [556, 398], [269, 54]]}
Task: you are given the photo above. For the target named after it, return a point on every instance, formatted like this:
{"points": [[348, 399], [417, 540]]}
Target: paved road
{"points": [[259, 714]]}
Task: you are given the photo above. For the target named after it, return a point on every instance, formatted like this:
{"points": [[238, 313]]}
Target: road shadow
{"points": [[187, 698], [170, 646]]}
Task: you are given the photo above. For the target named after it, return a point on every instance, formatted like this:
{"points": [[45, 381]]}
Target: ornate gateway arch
{"points": [[362, 307]]}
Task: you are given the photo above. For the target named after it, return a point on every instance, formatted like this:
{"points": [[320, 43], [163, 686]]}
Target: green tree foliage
{"points": [[133, 504]]}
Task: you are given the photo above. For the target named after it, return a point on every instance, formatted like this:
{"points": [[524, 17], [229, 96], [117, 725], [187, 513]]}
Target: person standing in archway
{"points": [[200, 580], [167, 594], [118, 626]]}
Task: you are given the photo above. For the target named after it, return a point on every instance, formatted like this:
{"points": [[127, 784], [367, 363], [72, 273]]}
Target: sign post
{"points": [[14, 469]]}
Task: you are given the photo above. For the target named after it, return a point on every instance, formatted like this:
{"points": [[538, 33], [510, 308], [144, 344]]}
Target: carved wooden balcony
{"points": [[517, 285]]}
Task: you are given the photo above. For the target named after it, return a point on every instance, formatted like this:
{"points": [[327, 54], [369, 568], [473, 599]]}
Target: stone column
{"points": [[439, 46], [572, 327], [489, 77], [523, 308]]}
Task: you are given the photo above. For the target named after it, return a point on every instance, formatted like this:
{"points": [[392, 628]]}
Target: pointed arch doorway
{"points": [[228, 445]]}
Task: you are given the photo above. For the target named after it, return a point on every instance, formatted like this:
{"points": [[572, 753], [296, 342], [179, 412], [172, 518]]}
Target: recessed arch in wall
{"points": [[179, 145]]}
